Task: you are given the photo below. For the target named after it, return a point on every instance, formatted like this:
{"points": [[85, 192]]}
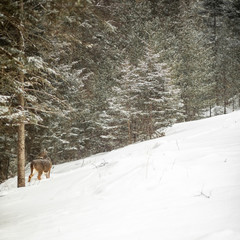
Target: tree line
{"points": [[82, 77]]}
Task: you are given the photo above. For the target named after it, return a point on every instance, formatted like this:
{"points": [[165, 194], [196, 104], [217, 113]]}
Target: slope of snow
{"points": [[185, 186]]}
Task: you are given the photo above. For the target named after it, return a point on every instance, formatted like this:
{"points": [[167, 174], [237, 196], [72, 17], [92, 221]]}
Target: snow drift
{"points": [[185, 186]]}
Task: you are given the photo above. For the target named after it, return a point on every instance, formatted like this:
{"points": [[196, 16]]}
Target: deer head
{"points": [[43, 154]]}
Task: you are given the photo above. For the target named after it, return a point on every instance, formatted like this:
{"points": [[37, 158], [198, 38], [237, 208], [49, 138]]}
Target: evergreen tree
{"points": [[192, 66], [117, 122], [159, 99], [220, 18], [144, 102], [26, 80]]}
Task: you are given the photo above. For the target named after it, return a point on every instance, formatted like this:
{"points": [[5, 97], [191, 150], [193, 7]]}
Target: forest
{"points": [[80, 77]]}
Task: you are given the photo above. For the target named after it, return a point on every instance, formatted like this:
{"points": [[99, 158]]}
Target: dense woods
{"points": [[80, 77]]}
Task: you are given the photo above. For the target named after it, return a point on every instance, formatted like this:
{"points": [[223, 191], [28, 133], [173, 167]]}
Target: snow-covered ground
{"points": [[185, 186]]}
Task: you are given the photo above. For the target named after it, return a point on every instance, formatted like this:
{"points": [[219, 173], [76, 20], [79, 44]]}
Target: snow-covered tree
{"points": [[193, 63], [158, 100], [221, 19], [117, 122], [144, 102], [27, 80]]}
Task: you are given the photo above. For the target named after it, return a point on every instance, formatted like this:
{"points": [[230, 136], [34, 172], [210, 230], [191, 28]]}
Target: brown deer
{"points": [[41, 164]]}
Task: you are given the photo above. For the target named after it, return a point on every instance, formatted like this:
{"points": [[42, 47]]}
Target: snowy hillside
{"points": [[185, 186]]}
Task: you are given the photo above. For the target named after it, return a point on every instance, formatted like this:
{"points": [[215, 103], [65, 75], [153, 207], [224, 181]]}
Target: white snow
{"points": [[185, 186]]}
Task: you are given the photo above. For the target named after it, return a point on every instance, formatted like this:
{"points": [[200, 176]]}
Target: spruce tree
{"points": [[27, 80]]}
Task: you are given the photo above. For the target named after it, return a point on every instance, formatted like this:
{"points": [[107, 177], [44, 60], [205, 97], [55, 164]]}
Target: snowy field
{"points": [[185, 186]]}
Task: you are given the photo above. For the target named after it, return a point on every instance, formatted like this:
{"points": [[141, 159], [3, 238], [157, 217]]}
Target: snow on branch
{"points": [[4, 99]]}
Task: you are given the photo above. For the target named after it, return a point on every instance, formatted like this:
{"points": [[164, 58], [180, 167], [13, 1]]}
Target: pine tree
{"points": [[159, 100], [144, 102], [192, 66], [27, 80], [220, 18], [121, 112]]}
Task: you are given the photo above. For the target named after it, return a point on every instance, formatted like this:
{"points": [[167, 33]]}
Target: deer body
{"points": [[41, 165]]}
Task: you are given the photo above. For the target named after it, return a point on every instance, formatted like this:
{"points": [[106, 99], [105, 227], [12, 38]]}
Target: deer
{"points": [[41, 164]]}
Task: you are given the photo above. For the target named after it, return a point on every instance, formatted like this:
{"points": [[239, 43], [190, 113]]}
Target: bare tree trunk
{"points": [[21, 155], [4, 163], [21, 127], [225, 97], [150, 122], [129, 132], [225, 107]]}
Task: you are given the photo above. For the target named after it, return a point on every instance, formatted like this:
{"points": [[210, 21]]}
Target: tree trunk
{"points": [[21, 139], [21, 155], [4, 162], [239, 100], [150, 122], [225, 96], [129, 132], [225, 107], [21, 127]]}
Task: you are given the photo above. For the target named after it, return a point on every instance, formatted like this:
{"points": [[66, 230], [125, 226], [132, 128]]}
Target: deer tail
{"points": [[31, 167], [31, 174]]}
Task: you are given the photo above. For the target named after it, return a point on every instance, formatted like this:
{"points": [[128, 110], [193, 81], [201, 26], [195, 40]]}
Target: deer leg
{"points": [[48, 173], [39, 175], [31, 174], [29, 178]]}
